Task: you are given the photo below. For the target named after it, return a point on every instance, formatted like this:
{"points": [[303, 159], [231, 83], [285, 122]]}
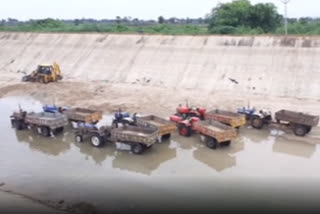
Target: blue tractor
{"points": [[248, 112], [257, 118], [124, 118], [54, 109]]}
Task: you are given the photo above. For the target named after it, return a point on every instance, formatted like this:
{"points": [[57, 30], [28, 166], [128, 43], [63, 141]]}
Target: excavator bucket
{"points": [[26, 78]]}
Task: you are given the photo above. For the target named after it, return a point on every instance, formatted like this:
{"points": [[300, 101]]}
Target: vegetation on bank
{"points": [[51, 25], [238, 17]]}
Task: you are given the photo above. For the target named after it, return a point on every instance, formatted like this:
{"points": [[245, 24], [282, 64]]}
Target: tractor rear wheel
{"points": [[212, 143], [257, 122], [184, 130], [18, 124]]}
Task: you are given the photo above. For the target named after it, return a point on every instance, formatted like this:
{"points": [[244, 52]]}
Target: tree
{"points": [[160, 20], [76, 22], [241, 13], [232, 14], [264, 16], [118, 19]]}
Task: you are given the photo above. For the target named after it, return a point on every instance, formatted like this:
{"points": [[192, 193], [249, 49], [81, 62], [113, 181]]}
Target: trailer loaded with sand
{"points": [[232, 119], [165, 127]]}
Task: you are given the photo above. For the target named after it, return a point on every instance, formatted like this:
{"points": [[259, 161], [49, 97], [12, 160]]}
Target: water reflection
{"points": [[147, 162], [50, 146], [295, 148], [99, 155], [255, 135], [220, 159]]}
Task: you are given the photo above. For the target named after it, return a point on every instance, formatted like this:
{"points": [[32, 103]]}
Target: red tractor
{"points": [[185, 127], [186, 111]]}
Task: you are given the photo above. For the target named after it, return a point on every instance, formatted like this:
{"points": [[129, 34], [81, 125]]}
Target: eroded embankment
{"points": [[267, 65]]}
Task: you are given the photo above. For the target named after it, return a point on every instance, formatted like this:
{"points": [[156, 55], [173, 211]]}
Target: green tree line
{"points": [[238, 17]]}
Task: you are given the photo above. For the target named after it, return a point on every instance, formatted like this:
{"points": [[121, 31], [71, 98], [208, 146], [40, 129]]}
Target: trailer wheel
{"points": [[166, 136], [78, 138], [145, 147], [184, 130], [256, 122], [58, 130], [309, 129], [137, 148], [96, 140], [45, 131], [227, 143], [212, 143], [300, 130]]}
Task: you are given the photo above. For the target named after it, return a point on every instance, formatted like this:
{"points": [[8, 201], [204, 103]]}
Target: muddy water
{"points": [[259, 165]]}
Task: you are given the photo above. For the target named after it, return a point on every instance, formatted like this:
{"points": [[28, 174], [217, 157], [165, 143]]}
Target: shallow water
{"points": [[181, 169]]}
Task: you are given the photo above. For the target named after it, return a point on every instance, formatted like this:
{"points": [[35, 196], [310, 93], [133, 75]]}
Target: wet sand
{"points": [[259, 165], [11, 203]]}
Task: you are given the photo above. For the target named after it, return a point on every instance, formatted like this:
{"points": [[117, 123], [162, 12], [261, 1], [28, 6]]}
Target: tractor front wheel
{"points": [[184, 130], [78, 138]]}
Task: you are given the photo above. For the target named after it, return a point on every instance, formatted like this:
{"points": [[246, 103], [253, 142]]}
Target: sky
{"points": [[141, 9]]}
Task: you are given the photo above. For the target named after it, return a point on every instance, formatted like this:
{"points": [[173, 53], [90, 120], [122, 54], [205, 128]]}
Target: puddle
{"points": [[58, 168]]}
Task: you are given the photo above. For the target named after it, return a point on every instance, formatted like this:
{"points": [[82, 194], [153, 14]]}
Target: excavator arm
{"points": [[57, 71]]}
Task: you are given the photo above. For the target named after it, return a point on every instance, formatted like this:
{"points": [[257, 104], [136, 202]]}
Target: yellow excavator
{"points": [[44, 73]]}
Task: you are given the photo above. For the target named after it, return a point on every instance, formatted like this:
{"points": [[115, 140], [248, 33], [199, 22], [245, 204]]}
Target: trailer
{"points": [[165, 127], [44, 123], [83, 115], [139, 139], [232, 119], [214, 133], [300, 123]]}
